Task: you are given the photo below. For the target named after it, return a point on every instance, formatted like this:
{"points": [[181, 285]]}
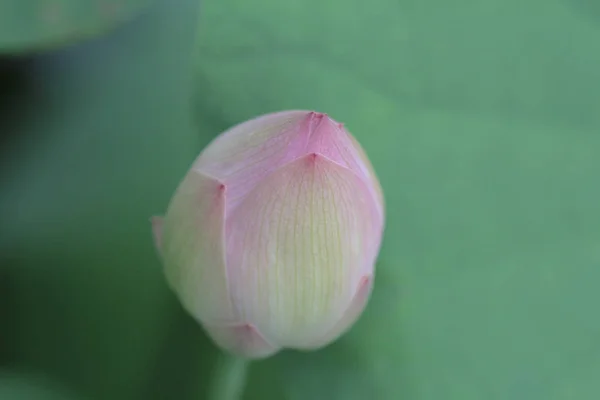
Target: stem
{"points": [[229, 378]]}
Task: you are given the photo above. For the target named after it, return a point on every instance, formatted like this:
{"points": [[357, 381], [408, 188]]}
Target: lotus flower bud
{"points": [[270, 240]]}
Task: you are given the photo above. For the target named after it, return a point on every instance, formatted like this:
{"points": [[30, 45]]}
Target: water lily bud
{"points": [[270, 240]]}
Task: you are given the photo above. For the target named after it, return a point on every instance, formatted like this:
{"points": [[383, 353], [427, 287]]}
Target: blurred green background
{"points": [[482, 119]]}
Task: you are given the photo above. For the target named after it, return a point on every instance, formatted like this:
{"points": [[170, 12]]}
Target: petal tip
{"points": [[215, 186], [316, 115], [314, 159], [316, 121]]}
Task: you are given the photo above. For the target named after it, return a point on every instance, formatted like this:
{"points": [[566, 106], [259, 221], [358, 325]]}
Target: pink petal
{"points": [[242, 340], [371, 177], [242, 156], [297, 248], [193, 249], [332, 140]]}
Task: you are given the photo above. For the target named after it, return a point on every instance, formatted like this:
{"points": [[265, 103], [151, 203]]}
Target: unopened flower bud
{"points": [[270, 240]]}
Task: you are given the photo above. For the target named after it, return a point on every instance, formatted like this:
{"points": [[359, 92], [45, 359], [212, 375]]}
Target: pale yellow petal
{"points": [[297, 248], [193, 249], [350, 316]]}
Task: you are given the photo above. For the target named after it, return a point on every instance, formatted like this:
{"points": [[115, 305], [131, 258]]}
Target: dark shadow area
{"points": [[17, 92], [8, 317], [92, 138], [37, 325]]}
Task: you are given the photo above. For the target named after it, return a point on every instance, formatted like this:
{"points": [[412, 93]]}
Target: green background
{"points": [[482, 119]]}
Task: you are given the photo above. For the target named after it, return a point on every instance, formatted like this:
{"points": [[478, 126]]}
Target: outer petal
{"points": [[331, 139], [193, 249], [242, 340], [350, 316], [298, 247], [244, 155], [370, 174]]}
